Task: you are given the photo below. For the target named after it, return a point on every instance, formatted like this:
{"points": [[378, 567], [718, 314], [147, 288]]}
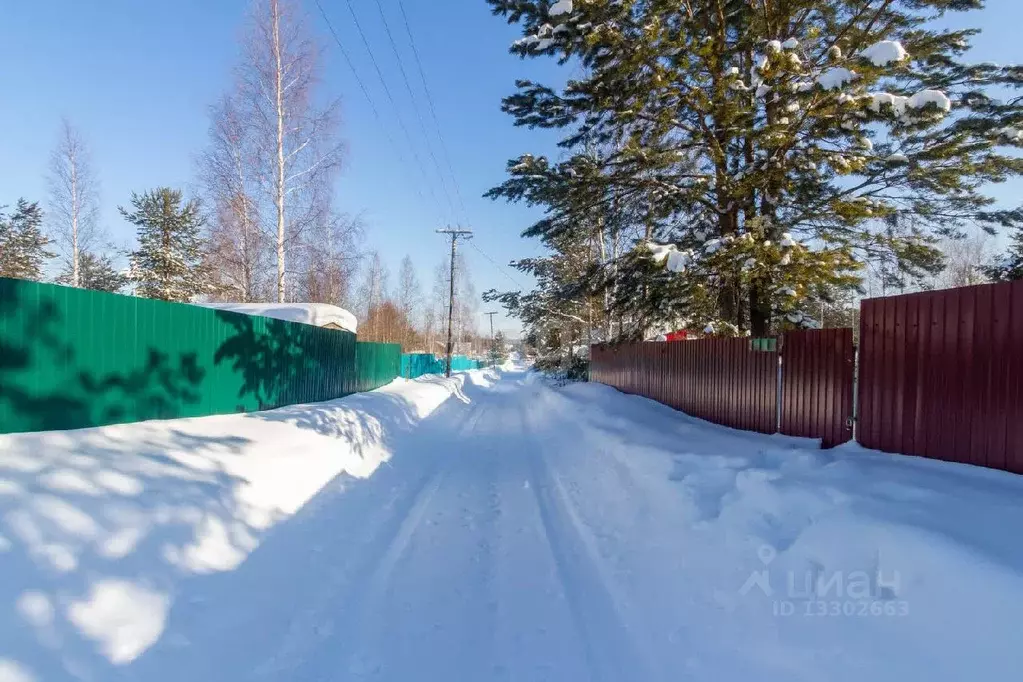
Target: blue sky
{"points": [[137, 77]]}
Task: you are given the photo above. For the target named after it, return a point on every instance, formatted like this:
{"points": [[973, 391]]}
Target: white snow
{"points": [[835, 77], [678, 261], [108, 530], [492, 527], [885, 52], [561, 7], [898, 158], [762, 90], [878, 100], [316, 314], [1010, 133], [790, 44], [674, 260], [774, 46], [786, 240], [925, 97]]}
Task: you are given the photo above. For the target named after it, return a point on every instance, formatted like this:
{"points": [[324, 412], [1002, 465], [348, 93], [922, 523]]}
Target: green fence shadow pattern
{"points": [[71, 358], [415, 365]]}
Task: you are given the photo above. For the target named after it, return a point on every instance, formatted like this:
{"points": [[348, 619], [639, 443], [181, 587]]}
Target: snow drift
{"points": [[102, 529]]}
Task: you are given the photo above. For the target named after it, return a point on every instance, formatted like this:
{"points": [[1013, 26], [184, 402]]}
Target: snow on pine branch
{"points": [[885, 52], [561, 7], [674, 260]]}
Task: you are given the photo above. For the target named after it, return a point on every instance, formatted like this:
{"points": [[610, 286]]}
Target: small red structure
{"points": [[679, 335]]}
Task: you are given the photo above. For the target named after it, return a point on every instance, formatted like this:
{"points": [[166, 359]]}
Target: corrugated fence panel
{"points": [[415, 365], [71, 358], [817, 385], [720, 380], [941, 375]]}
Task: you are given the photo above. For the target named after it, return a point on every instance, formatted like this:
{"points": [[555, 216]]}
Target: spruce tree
{"points": [[169, 263], [763, 152], [23, 245], [1009, 266], [95, 272]]}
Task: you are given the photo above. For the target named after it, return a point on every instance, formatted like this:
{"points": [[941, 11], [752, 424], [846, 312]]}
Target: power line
{"points": [[415, 105], [519, 284], [394, 105], [433, 110], [365, 91], [499, 267]]}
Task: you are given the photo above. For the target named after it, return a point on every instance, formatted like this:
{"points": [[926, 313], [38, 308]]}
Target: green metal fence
{"points": [[379, 363], [71, 358], [415, 365]]}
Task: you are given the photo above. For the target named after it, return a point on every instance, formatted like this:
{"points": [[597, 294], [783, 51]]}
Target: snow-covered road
{"points": [[524, 532]]}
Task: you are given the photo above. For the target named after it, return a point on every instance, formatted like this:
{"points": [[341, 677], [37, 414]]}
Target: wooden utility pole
{"points": [[455, 234], [491, 316]]}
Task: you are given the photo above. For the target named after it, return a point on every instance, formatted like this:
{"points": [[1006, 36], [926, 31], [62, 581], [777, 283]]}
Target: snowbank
{"points": [[842, 564], [103, 529], [316, 314]]}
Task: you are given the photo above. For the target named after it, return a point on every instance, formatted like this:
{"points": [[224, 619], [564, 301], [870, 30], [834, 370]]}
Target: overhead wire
{"points": [[365, 92], [394, 106], [497, 265], [415, 104], [433, 109]]}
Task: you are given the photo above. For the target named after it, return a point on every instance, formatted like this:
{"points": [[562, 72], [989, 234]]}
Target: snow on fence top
{"points": [[316, 314]]}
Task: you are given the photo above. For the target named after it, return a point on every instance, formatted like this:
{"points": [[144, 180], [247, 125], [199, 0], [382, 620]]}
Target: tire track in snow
{"points": [[346, 590], [613, 652]]}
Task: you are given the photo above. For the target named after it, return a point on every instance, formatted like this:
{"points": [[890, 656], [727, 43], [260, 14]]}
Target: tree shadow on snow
{"points": [[99, 528]]}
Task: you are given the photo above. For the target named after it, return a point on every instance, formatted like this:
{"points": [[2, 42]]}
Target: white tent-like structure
{"points": [[316, 314]]}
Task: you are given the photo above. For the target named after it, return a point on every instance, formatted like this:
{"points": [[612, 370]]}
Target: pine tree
{"points": [[23, 246], [760, 152], [1009, 266], [169, 263], [96, 272], [497, 353]]}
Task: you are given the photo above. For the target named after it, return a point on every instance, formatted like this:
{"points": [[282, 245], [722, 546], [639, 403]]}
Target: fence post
{"points": [[779, 394]]}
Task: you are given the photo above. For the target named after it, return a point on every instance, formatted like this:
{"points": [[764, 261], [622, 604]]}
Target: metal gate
{"points": [[817, 385]]}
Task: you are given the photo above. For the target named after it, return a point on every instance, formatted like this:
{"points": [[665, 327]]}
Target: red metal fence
{"points": [[941, 375], [817, 385], [726, 382], [720, 380]]}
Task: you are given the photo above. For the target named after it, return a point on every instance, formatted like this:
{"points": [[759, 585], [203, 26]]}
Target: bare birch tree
{"points": [[372, 295], [237, 245], [295, 142], [328, 260], [74, 198], [965, 260], [409, 294]]}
